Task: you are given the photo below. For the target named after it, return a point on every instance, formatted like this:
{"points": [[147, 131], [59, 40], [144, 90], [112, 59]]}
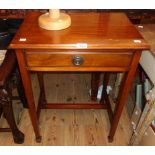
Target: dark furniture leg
{"points": [[6, 104], [1, 110], [105, 84], [105, 96], [95, 79], [8, 77]]}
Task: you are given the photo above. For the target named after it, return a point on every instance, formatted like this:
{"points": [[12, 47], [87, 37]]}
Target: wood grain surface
{"points": [[97, 30]]}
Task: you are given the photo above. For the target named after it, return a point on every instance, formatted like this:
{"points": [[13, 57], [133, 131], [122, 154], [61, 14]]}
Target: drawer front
{"points": [[47, 59]]}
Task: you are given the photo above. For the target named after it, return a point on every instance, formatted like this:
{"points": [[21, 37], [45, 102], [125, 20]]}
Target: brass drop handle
{"points": [[77, 60]]}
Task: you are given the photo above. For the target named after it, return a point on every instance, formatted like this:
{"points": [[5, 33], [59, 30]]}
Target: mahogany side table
{"points": [[95, 42]]}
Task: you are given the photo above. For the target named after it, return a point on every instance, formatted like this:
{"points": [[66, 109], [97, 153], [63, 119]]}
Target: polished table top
{"points": [[88, 30]]}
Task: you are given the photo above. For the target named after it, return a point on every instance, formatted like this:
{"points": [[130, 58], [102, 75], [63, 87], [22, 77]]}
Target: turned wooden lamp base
{"points": [[54, 20]]}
